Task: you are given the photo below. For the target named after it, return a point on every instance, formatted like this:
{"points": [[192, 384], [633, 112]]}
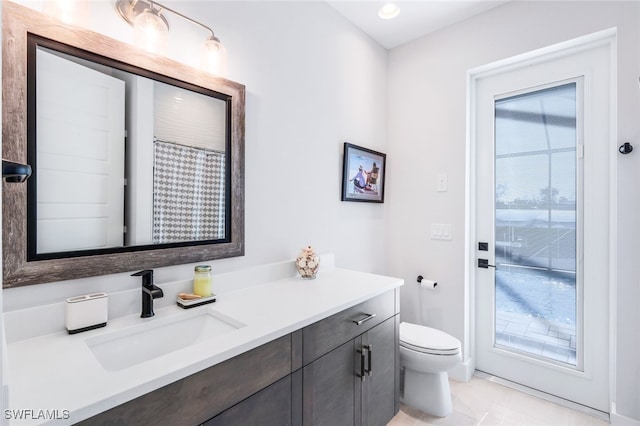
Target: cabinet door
{"points": [[329, 388], [269, 407], [379, 386]]}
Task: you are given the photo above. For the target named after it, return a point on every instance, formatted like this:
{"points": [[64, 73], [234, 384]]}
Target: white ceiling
{"points": [[416, 18]]}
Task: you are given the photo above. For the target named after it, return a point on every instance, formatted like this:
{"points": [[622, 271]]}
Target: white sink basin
{"points": [[156, 337]]}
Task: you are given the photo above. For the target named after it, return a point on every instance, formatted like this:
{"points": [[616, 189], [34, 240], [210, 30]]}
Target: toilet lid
{"points": [[426, 339]]}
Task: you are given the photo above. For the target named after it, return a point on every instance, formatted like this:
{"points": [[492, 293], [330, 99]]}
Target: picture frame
{"points": [[363, 174]]}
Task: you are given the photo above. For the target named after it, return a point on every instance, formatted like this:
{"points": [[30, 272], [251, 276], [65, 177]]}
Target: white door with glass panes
{"points": [[541, 149]]}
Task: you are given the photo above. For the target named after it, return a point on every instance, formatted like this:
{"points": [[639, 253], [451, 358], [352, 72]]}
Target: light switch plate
{"points": [[440, 231], [441, 182]]}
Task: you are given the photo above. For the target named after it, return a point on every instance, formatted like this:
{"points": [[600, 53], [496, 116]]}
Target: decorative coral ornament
{"points": [[307, 263]]}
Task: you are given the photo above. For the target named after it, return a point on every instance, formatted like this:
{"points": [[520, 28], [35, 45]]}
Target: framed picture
{"points": [[363, 174]]}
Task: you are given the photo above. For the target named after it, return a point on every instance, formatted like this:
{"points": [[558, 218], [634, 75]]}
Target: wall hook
{"points": [[625, 148]]}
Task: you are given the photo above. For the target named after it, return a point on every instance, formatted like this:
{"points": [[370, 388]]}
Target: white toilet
{"points": [[425, 356]]}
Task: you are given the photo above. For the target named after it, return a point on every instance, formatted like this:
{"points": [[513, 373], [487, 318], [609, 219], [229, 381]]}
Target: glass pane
{"points": [[535, 223]]}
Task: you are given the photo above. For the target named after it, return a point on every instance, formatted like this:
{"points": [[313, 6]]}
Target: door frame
{"points": [[607, 38]]}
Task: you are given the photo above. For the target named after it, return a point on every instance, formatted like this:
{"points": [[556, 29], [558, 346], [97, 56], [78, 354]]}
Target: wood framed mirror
{"points": [[56, 226]]}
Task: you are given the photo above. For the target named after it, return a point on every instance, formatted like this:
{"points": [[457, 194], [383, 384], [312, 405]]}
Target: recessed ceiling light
{"points": [[388, 11]]}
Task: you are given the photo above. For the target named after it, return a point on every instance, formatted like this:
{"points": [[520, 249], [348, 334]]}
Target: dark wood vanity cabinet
{"points": [[340, 371], [356, 383], [351, 372]]}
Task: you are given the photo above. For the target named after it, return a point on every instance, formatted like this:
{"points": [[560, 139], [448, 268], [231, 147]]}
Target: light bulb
{"points": [[151, 31], [213, 58], [71, 12], [389, 11]]}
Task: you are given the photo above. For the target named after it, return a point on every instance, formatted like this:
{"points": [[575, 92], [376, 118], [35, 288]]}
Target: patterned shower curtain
{"points": [[188, 193]]}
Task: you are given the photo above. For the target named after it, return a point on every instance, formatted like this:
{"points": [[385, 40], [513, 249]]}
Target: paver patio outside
{"points": [[536, 314]]}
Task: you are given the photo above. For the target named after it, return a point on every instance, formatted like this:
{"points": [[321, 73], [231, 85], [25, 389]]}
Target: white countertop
{"points": [[58, 371]]}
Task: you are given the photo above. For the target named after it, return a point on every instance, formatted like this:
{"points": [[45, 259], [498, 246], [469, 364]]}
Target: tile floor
{"points": [[483, 402]]}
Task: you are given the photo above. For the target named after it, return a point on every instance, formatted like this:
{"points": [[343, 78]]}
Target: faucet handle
{"points": [[147, 277]]}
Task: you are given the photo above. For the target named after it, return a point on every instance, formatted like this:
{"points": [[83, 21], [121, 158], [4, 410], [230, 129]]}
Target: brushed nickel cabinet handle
{"points": [[365, 319], [369, 369], [363, 370]]}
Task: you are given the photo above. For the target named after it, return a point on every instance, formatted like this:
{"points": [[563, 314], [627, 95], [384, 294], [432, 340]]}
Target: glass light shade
{"points": [[71, 12], [213, 57], [151, 32]]}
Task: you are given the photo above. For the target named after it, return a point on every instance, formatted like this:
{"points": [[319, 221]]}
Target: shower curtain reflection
{"points": [[188, 193]]}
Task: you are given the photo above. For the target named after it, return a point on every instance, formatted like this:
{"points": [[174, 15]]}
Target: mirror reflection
{"points": [[122, 160], [48, 226]]}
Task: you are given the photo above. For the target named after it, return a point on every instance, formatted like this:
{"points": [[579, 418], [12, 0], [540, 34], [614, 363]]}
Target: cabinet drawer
{"points": [[327, 334]]}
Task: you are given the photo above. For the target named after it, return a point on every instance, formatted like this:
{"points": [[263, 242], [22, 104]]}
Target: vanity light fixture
{"points": [[151, 31], [152, 28], [388, 11], [71, 12]]}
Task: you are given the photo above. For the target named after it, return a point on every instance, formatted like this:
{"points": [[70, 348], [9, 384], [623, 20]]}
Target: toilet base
{"points": [[428, 392]]}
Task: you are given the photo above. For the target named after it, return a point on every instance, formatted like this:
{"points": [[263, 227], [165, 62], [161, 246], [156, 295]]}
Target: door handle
{"points": [[484, 263]]}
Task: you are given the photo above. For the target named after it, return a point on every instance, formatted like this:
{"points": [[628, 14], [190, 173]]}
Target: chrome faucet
{"points": [[149, 292]]}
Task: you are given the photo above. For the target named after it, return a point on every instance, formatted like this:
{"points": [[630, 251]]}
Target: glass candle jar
{"points": [[202, 281]]}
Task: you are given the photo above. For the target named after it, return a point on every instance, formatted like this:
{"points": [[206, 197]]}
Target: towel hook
{"points": [[625, 148]]}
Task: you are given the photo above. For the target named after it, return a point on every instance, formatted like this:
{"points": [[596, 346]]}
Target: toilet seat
{"points": [[427, 340]]}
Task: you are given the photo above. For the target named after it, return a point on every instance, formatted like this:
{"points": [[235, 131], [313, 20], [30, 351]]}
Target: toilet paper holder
{"points": [[427, 283]]}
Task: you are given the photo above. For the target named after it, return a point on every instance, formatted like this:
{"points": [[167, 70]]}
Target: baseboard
{"points": [[463, 371], [620, 420], [543, 395]]}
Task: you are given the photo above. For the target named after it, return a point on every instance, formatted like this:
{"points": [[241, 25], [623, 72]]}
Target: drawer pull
{"points": [[365, 319]]}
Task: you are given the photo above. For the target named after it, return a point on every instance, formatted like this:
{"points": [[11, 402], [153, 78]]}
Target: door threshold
{"points": [[543, 395]]}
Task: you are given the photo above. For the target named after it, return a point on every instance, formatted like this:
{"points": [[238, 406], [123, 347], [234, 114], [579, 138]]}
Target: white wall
{"points": [[427, 125], [313, 82]]}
